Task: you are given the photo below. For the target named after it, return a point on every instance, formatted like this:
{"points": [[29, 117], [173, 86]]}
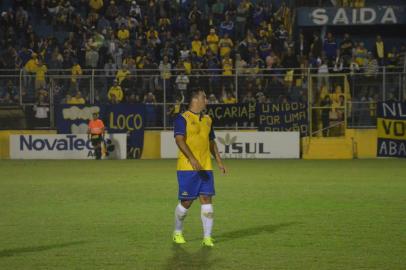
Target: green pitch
{"points": [[269, 214]]}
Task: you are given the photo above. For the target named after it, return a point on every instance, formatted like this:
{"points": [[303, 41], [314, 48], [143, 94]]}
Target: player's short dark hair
{"points": [[194, 93]]}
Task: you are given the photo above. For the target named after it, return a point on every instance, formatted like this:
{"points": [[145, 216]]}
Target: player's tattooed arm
{"points": [[181, 143], [215, 152]]}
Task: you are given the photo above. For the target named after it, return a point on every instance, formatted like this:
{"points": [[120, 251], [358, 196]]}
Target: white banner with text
{"points": [[244, 145], [65, 146]]}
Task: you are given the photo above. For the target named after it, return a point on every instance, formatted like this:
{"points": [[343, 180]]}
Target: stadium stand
{"points": [[154, 51]]}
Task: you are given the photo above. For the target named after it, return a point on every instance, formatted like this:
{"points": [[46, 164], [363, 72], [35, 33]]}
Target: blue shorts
{"points": [[193, 183]]}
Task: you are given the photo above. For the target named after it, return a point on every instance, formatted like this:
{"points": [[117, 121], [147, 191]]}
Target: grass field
{"points": [[271, 214]]}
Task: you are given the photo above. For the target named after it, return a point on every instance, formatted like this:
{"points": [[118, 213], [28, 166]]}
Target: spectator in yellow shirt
{"points": [[122, 74], [151, 34], [115, 94], [213, 40], [140, 61], [76, 71], [225, 45], [123, 34], [187, 65], [29, 70], [361, 54], [228, 98], [196, 45], [204, 48], [76, 100], [165, 68], [335, 97], [40, 75], [95, 5], [227, 64], [265, 29], [164, 23], [380, 50], [129, 61], [358, 3], [32, 64]]}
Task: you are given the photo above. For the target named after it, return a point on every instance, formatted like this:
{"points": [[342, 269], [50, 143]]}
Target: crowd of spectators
{"points": [[142, 47]]}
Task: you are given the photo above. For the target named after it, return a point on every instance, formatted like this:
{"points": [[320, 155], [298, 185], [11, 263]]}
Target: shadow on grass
{"points": [[231, 235], [271, 228], [17, 251], [183, 259]]}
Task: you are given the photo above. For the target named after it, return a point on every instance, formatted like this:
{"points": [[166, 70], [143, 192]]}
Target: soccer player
{"points": [[95, 134], [194, 136]]}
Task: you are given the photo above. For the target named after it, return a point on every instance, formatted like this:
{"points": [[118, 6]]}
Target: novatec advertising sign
{"points": [[244, 145], [351, 16], [64, 146]]}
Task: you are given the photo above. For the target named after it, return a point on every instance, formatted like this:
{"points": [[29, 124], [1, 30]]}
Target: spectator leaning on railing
{"points": [[115, 94], [40, 72], [379, 50], [76, 72], [77, 99], [371, 67]]}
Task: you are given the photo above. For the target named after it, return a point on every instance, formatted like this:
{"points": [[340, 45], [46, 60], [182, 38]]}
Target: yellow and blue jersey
{"points": [[198, 132]]}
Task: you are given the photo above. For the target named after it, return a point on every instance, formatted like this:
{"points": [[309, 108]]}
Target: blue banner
{"points": [[290, 116], [119, 118], [74, 119], [391, 129], [128, 118], [230, 115]]}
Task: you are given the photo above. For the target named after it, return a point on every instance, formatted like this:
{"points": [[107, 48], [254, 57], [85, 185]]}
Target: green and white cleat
{"points": [[208, 242], [178, 238]]}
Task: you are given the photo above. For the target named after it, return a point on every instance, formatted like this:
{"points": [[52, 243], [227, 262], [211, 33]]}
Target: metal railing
{"points": [[276, 84]]}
